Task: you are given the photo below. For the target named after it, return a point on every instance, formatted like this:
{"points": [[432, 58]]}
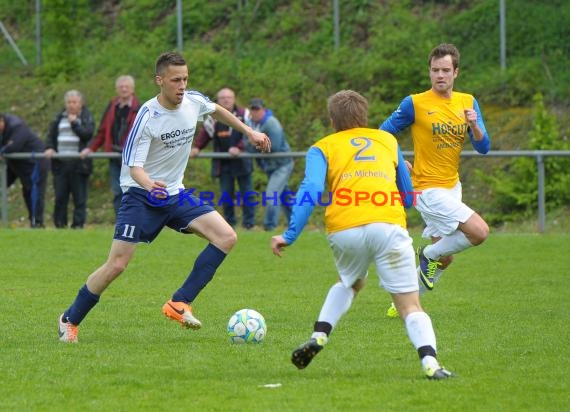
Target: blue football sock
{"points": [[83, 303], [204, 268]]}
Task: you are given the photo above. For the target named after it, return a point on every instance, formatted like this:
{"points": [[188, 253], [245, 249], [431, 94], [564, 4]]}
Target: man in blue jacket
{"points": [[278, 169]]}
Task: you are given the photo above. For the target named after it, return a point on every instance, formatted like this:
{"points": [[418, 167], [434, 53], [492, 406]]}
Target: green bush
{"points": [[515, 186]]}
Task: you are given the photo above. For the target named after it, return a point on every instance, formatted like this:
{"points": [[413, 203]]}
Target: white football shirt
{"points": [[160, 140]]}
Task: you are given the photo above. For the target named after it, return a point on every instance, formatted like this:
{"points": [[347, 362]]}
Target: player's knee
{"points": [[228, 240], [117, 266], [479, 235], [476, 230], [483, 233]]}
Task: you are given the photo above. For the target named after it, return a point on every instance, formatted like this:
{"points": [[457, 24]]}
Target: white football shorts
{"points": [[388, 246], [442, 210]]}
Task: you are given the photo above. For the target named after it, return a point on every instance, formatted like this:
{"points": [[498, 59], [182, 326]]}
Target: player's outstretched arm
{"points": [[259, 140]]}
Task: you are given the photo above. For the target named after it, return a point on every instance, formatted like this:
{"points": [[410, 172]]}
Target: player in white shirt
{"points": [[162, 139], [154, 159]]}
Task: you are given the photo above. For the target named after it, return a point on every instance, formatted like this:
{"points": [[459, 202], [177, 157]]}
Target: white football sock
{"points": [[430, 362], [420, 330], [447, 245], [336, 304]]}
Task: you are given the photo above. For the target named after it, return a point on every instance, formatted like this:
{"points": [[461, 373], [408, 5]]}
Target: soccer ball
{"points": [[246, 325]]}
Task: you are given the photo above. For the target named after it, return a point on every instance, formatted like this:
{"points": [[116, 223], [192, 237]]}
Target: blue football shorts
{"points": [[141, 217]]}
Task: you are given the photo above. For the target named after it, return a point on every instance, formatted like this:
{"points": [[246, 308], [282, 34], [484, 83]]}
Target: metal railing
{"points": [[538, 155]]}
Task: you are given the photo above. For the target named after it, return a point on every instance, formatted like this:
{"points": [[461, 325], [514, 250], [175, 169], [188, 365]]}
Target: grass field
{"points": [[501, 316]]}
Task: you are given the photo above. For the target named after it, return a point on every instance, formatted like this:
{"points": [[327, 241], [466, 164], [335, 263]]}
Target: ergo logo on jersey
{"points": [[174, 133]]}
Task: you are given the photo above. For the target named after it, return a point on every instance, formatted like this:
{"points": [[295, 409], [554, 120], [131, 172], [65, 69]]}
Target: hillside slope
{"points": [[284, 52]]}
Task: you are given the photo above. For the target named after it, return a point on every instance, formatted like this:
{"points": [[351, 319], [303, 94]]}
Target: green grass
{"points": [[500, 313]]}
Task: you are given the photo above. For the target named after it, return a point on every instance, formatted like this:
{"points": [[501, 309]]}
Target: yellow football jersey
{"points": [[361, 178], [438, 135]]}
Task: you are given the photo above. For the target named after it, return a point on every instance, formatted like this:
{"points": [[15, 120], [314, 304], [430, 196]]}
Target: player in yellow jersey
{"points": [[368, 186], [440, 119]]}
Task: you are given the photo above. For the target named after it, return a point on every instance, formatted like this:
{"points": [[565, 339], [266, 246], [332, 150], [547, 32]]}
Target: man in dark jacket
{"points": [[69, 134], [228, 140], [115, 126], [16, 137]]}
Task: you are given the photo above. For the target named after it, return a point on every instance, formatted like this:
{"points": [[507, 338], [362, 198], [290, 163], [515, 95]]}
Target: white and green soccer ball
{"points": [[247, 325]]}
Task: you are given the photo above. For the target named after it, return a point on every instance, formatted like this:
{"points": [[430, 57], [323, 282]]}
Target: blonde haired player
{"points": [[361, 161]]}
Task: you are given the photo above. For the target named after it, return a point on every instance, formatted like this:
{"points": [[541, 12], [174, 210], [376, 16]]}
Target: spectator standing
{"points": [[114, 128], [16, 137], [69, 134], [277, 169], [228, 140]]}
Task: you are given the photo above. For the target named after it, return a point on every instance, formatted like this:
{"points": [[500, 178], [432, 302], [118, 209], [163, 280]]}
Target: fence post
{"points": [[541, 197], [4, 187]]}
